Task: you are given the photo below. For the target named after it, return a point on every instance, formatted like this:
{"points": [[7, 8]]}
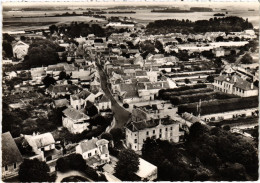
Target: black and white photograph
{"points": [[142, 91]]}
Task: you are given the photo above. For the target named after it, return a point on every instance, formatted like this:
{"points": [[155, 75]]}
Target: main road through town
{"points": [[121, 115]]}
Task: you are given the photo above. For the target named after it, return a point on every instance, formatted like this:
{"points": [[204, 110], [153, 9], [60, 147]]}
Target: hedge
{"points": [[218, 106], [177, 100], [168, 95], [183, 88]]}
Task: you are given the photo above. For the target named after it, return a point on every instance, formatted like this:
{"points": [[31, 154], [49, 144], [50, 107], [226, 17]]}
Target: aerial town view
{"points": [[130, 91]]}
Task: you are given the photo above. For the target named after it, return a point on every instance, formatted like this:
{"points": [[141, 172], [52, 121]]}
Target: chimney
{"points": [[235, 79], [252, 86]]}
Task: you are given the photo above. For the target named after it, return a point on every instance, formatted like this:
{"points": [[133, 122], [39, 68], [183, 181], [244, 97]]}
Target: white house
{"points": [[103, 104], [11, 156], [75, 121], [235, 85], [78, 101], [94, 148], [20, 49], [138, 131]]}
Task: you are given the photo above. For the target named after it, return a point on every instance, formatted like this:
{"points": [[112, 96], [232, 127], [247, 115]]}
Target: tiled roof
{"points": [[136, 126], [41, 140], [237, 81], [157, 85], [61, 88], [55, 68], [129, 89], [61, 102], [104, 99], [88, 145], [82, 95], [74, 114], [140, 73], [10, 151]]}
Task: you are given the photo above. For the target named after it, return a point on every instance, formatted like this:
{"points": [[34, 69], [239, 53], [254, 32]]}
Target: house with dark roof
{"points": [[163, 128], [11, 156], [235, 85], [74, 120], [94, 151], [78, 101], [103, 103], [62, 90], [60, 103]]}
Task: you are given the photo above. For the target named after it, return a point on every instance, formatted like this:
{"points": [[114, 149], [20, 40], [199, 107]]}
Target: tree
{"points": [[210, 78], [22, 38], [8, 49], [219, 39], [107, 136], [48, 80], [127, 165], [117, 134], [62, 165], [159, 46], [42, 53], [34, 171], [187, 81], [53, 28], [8, 38], [90, 109], [62, 75], [246, 59]]}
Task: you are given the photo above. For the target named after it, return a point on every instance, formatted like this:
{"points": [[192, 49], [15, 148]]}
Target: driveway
{"points": [[61, 176], [121, 115]]}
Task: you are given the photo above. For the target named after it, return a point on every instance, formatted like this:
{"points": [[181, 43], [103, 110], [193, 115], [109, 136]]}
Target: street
{"points": [[121, 115]]}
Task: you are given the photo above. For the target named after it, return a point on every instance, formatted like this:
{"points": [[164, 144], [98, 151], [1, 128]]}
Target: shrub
{"points": [[126, 105], [217, 106]]}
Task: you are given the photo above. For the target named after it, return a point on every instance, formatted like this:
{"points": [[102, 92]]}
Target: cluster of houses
{"points": [[132, 80]]}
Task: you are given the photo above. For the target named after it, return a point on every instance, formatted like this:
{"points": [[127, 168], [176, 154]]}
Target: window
{"points": [[160, 130], [6, 168], [147, 133], [135, 134], [153, 131], [14, 165], [171, 128], [89, 154], [166, 129], [171, 134], [160, 136], [135, 140]]}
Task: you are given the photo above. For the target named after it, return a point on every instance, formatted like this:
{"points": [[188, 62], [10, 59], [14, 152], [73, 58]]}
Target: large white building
{"points": [[235, 85], [138, 132]]}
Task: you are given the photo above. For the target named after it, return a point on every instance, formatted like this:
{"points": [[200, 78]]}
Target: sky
{"points": [[106, 3]]}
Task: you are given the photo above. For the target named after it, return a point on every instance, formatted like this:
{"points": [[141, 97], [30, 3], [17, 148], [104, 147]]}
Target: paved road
{"points": [[72, 173], [121, 115]]}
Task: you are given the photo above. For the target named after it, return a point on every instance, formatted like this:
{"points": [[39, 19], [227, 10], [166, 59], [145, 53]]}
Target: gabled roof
{"points": [[237, 82], [61, 102], [60, 88], [141, 125], [140, 73], [82, 95], [74, 114], [10, 151], [88, 145], [104, 99], [41, 140]]}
